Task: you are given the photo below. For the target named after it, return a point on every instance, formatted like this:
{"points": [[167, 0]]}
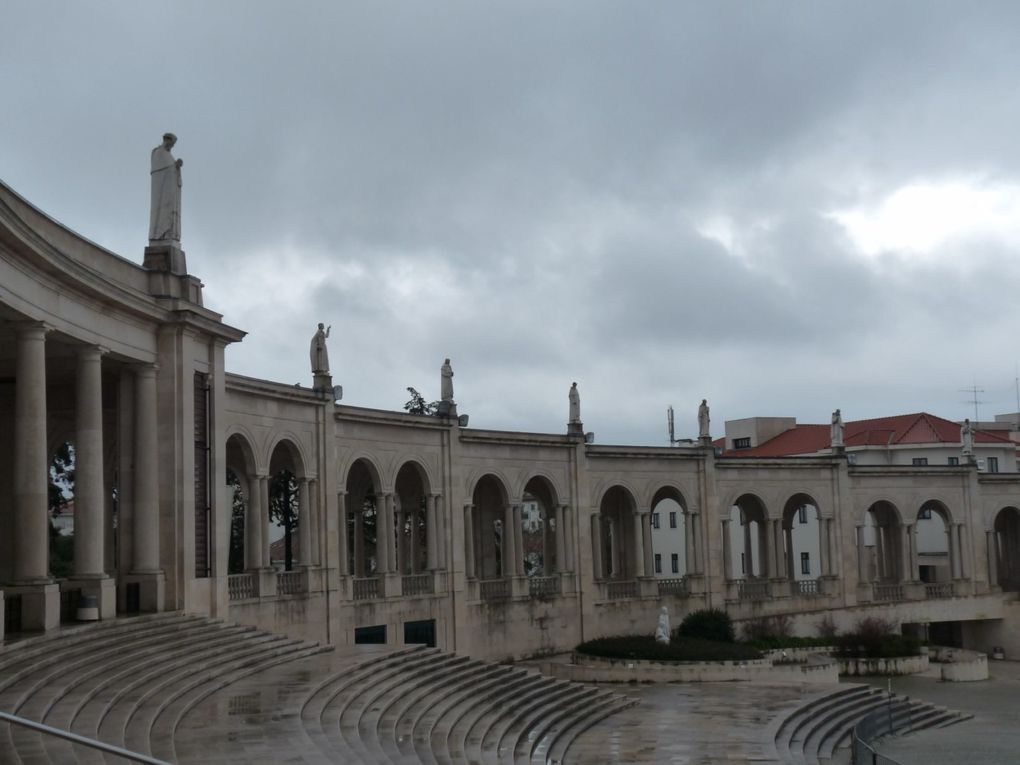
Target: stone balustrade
{"points": [[754, 589], [494, 589], [417, 584], [888, 591], [938, 590], [544, 587], [677, 587], [621, 590], [242, 586], [366, 589], [291, 583]]}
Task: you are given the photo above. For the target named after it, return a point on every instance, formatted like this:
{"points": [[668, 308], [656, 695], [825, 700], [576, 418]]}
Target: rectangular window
{"points": [[658, 563], [993, 464], [655, 520], [919, 461], [954, 460], [802, 514], [742, 443], [675, 562], [672, 519], [805, 563]]}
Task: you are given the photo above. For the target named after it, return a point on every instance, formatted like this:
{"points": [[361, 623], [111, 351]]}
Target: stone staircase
{"points": [[423, 706], [819, 731], [186, 689], [126, 682]]}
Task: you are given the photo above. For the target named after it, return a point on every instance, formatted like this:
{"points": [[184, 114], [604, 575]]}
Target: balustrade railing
{"points": [[621, 590], [494, 589], [544, 587], [678, 587], [754, 589], [417, 584], [887, 591], [938, 590], [808, 587], [242, 586], [366, 589], [290, 582]]}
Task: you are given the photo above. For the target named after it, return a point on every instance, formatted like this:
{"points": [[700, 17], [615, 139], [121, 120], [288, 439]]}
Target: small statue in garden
{"points": [[662, 630]]}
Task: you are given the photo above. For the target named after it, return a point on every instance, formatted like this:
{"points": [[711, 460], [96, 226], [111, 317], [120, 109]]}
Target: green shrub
{"points": [[767, 628], [873, 638], [707, 624], [680, 649]]}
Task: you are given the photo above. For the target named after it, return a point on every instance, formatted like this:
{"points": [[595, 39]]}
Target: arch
{"points": [[493, 542], [1005, 550], [880, 544], [749, 537], [930, 543], [240, 454], [286, 454], [539, 514], [604, 488], [804, 554], [546, 480], [411, 490], [237, 546], [419, 464], [620, 546], [364, 503], [294, 449], [672, 539]]}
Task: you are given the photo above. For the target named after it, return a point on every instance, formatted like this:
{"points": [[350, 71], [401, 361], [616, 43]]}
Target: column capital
{"points": [[30, 328], [92, 350], [146, 369]]}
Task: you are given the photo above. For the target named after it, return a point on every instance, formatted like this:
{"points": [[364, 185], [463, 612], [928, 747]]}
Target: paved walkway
{"points": [[695, 724], [992, 737]]}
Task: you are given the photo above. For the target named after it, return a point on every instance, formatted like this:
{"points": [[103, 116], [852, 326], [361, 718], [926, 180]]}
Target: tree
{"points": [[283, 509], [235, 558], [60, 490], [417, 404]]}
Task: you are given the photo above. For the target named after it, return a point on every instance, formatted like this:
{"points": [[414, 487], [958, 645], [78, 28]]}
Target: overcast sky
{"points": [[781, 207]]}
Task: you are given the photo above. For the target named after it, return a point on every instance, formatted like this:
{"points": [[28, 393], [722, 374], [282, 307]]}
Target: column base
{"points": [[391, 585], [267, 581], [103, 587], [142, 592], [40, 605]]}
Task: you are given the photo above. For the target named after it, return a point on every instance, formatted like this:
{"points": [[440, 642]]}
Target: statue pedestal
{"points": [[447, 409], [322, 382], [168, 273], [575, 429], [705, 441], [165, 257]]}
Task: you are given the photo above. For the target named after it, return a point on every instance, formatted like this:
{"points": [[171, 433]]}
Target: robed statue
{"points": [[575, 405], [836, 431], [704, 426], [446, 382], [317, 352], [165, 175]]}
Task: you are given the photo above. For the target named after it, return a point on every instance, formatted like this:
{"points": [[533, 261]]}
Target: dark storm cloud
{"points": [[636, 196]]}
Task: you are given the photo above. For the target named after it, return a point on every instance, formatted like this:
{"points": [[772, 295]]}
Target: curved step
{"points": [[559, 748]]}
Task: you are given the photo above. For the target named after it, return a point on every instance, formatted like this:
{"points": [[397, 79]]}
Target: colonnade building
{"points": [[404, 527]]}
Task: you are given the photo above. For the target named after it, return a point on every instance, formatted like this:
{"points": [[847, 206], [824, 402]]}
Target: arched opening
{"points": [[748, 538], [492, 540], [412, 520], [672, 541], [60, 502], [880, 545], [804, 542], [246, 526], [620, 548], [539, 528], [288, 504], [363, 492], [934, 558], [1006, 548]]}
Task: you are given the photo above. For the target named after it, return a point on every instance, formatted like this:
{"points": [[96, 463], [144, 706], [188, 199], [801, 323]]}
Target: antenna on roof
{"points": [[973, 391], [669, 422]]}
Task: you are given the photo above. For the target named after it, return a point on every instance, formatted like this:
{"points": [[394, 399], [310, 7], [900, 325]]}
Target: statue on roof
{"points": [[446, 382], [165, 210], [318, 353], [704, 423], [967, 438], [575, 405], [837, 429]]}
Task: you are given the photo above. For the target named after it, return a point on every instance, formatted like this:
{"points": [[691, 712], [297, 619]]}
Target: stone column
{"points": [[748, 555], [304, 523], [863, 574], [518, 568], [727, 553], [146, 518], [568, 539], [598, 566], [89, 505], [961, 546], [342, 544], [508, 568], [267, 558], [561, 534], [384, 533], [614, 546], [359, 542], [906, 575], [253, 525], [915, 571], [638, 569], [881, 563], [31, 459], [431, 537], [824, 529], [993, 558], [646, 535], [791, 564], [469, 541], [777, 562], [416, 534], [688, 521]]}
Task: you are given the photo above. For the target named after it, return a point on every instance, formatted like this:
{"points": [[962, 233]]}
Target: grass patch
{"points": [[645, 647]]}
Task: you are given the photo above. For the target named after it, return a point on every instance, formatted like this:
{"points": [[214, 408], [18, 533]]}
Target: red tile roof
{"points": [[920, 428]]}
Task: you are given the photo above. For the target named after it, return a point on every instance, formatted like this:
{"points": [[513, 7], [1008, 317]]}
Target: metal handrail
{"points": [[76, 739]]}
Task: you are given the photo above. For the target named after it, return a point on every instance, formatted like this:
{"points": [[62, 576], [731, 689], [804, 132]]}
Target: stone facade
{"points": [[410, 527]]}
